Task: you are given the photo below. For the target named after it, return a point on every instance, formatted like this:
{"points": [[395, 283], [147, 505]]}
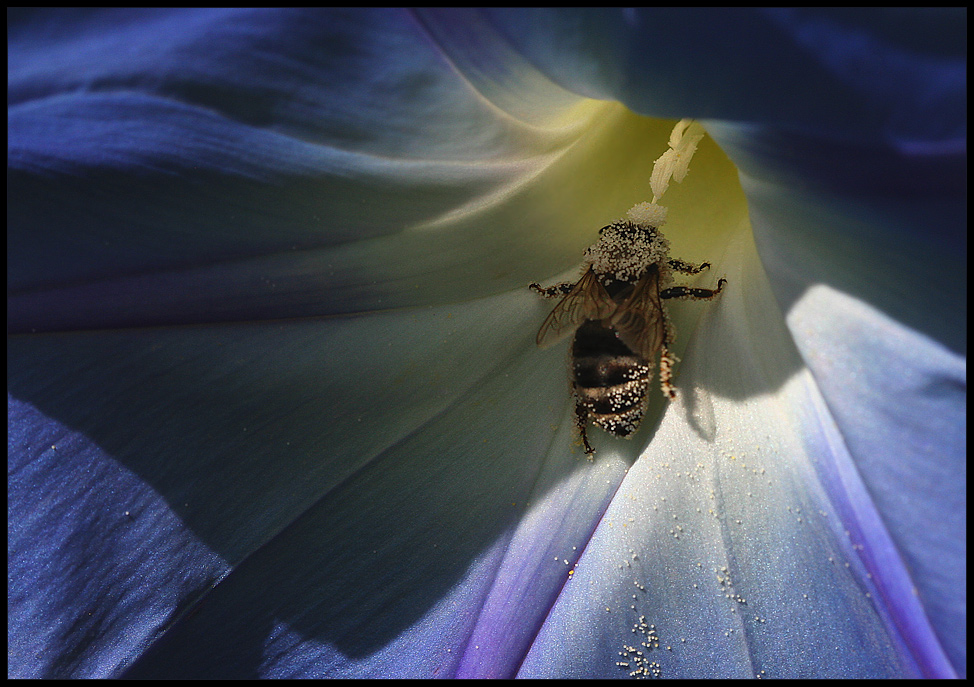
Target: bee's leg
{"points": [[666, 359], [581, 423], [692, 293], [687, 267], [555, 291], [666, 362]]}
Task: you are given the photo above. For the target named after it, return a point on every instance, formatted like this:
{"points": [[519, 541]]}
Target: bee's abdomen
{"points": [[610, 380]]}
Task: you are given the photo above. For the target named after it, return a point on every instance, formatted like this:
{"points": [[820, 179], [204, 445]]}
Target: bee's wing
{"points": [[588, 300], [640, 321]]}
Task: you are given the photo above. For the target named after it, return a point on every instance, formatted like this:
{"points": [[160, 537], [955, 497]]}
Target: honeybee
{"points": [[620, 324]]}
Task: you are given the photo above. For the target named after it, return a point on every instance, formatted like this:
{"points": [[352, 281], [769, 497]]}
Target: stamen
{"points": [[673, 164]]}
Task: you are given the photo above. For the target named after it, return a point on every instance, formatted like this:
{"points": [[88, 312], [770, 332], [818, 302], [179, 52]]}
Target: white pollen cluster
{"points": [[636, 660], [649, 214], [626, 249]]}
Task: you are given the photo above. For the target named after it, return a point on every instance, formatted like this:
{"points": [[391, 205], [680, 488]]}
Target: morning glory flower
{"points": [[275, 407]]}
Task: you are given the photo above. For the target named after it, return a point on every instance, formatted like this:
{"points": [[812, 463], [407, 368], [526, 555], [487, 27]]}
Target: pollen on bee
{"points": [[616, 308], [626, 249]]}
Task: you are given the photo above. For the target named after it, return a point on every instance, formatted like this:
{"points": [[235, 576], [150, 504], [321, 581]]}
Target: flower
{"points": [[274, 404]]}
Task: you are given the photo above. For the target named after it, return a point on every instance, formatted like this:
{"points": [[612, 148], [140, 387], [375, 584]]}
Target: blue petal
{"points": [[97, 558], [877, 73], [312, 461], [275, 144], [305, 505], [859, 268], [742, 543], [856, 180]]}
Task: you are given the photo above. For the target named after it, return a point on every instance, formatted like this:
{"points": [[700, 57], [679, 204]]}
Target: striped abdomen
{"points": [[610, 380]]}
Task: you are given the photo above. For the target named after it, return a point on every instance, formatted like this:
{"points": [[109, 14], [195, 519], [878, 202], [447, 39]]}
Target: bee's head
{"points": [[625, 249]]}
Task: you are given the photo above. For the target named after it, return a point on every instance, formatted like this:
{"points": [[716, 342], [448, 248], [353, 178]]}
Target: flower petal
{"points": [[856, 272], [871, 73], [724, 541], [221, 207], [179, 425], [309, 556]]}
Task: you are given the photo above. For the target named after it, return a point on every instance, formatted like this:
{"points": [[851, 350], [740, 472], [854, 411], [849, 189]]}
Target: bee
{"points": [[620, 324]]}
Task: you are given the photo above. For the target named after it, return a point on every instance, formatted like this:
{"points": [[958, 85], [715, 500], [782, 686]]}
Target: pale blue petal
{"points": [[863, 266], [725, 550]]}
